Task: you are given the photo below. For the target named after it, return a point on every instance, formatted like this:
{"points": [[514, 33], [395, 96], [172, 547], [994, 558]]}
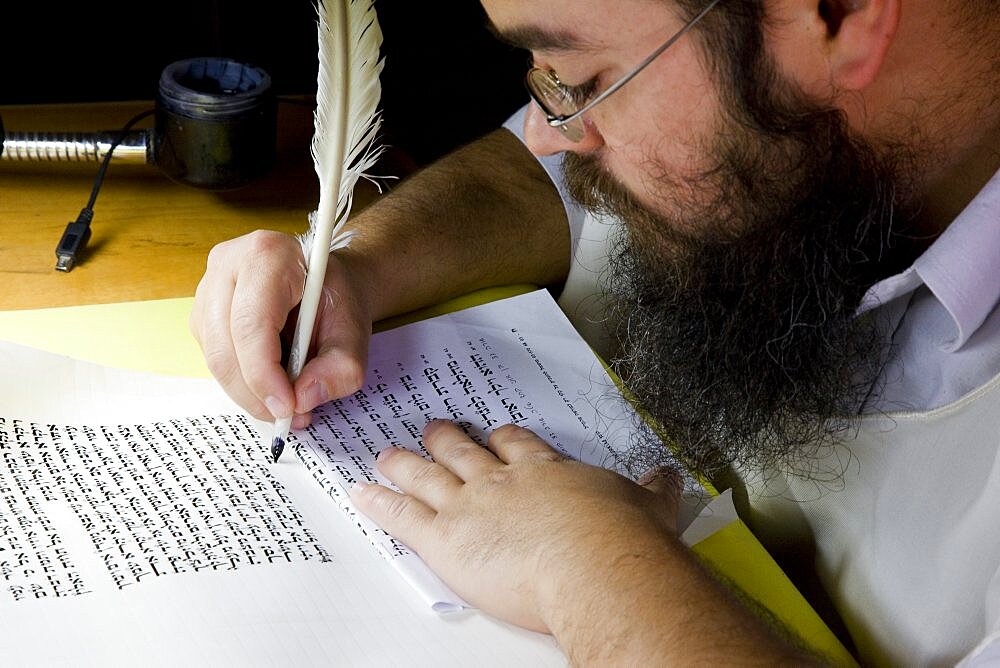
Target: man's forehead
{"points": [[568, 25], [539, 38]]}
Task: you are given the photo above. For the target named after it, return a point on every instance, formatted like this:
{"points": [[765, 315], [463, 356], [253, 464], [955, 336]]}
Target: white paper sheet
{"points": [[142, 523]]}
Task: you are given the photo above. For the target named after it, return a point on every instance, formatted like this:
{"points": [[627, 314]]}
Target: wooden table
{"points": [[150, 236]]}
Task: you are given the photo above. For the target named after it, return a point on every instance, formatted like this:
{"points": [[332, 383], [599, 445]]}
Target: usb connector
{"points": [[73, 241]]}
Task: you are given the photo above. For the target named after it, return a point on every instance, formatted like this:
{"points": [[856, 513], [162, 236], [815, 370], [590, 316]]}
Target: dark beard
{"points": [[736, 315]]}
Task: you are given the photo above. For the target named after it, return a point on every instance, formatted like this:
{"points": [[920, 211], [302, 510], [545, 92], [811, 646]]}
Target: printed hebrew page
{"points": [[141, 521]]}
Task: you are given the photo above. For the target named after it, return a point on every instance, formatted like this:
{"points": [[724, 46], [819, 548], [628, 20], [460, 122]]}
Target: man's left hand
{"points": [[515, 528]]}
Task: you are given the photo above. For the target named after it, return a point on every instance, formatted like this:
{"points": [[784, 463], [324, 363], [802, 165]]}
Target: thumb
{"points": [[667, 484], [338, 367], [663, 481], [336, 371]]}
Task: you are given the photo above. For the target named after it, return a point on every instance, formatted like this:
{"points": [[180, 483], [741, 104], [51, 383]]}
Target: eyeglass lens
{"points": [[555, 101]]}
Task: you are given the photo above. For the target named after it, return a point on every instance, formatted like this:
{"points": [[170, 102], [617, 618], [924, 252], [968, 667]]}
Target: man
{"points": [[805, 294]]}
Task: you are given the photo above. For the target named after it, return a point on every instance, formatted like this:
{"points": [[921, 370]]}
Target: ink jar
{"points": [[216, 123]]}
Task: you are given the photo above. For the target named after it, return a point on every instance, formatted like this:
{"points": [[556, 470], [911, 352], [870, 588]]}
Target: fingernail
{"points": [[358, 486], [277, 407], [312, 396], [434, 424], [659, 473], [301, 421], [385, 454]]}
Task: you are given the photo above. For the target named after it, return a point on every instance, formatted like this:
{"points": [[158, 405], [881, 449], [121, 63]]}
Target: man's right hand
{"points": [[487, 214], [246, 299]]}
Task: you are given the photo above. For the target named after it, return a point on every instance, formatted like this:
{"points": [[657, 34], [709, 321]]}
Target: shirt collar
{"points": [[961, 268]]}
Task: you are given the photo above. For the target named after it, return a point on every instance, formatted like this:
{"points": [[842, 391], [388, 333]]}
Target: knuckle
{"points": [[265, 242], [394, 506], [547, 456], [244, 323], [221, 364], [424, 475], [502, 476], [462, 451]]}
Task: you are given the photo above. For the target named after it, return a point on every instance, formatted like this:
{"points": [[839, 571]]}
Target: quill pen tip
{"points": [[279, 437]]}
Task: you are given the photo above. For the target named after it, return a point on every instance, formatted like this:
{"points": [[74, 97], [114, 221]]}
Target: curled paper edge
{"points": [[717, 515]]}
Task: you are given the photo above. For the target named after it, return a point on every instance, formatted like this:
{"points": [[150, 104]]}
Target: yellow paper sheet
{"points": [[142, 336], [153, 336]]}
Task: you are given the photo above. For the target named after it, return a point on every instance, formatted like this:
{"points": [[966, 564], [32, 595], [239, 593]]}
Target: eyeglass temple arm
{"points": [[556, 122]]}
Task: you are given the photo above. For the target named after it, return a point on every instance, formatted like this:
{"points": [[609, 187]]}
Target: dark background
{"points": [[446, 80]]}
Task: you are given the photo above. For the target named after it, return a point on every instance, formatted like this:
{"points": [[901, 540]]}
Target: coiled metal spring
{"points": [[74, 147]]}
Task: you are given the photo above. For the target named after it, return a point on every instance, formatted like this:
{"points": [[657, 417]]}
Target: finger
{"points": [[512, 443], [268, 286], [662, 480], [451, 448], [427, 481], [403, 516], [667, 485], [210, 324], [338, 367]]}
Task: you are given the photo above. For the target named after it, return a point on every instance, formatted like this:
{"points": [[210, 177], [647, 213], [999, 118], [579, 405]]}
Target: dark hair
{"points": [[732, 35]]}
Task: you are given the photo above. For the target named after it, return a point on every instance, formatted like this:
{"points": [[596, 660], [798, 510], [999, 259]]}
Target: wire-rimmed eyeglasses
{"points": [[561, 104]]}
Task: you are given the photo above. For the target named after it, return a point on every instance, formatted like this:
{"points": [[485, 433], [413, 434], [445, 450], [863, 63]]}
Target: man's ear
{"points": [[859, 33]]}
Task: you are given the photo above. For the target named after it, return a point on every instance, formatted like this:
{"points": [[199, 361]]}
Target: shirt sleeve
{"points": [[553, 165]]}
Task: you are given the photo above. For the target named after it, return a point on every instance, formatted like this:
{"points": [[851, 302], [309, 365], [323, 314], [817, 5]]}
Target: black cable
{"points": [[107, 157], [77, 234]]}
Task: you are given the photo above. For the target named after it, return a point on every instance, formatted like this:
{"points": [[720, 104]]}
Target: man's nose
{"points": [[542, 139]]}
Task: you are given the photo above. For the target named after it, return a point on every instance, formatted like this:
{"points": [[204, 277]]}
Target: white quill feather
{"points": [[343, 150]]}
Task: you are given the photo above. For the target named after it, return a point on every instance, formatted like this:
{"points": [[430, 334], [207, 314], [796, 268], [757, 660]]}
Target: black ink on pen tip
{"points": [[276, 447]]}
